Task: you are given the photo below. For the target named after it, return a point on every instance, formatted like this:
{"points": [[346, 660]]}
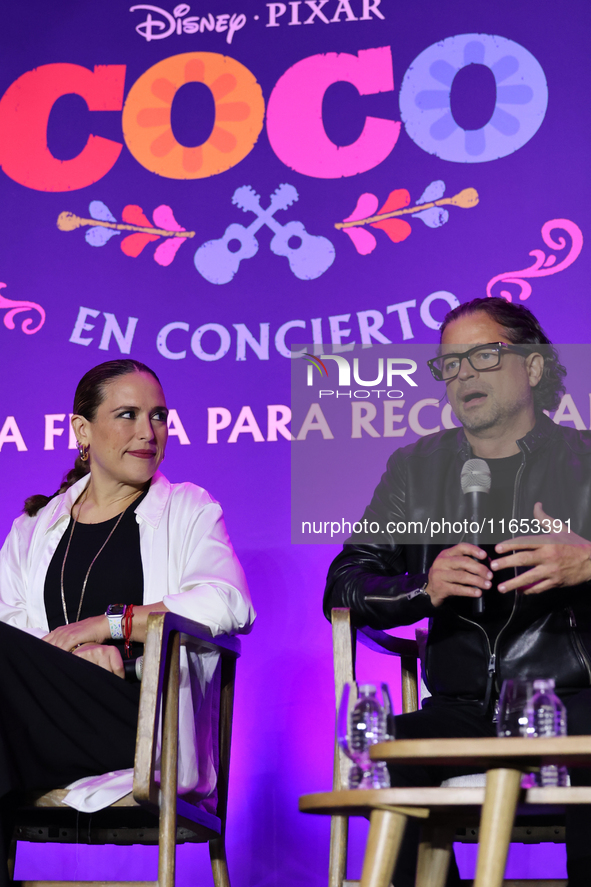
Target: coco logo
{"points": [[395, 366], [294, 122]]}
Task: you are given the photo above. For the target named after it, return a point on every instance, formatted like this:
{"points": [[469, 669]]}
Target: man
{"points": [[536, 619]]}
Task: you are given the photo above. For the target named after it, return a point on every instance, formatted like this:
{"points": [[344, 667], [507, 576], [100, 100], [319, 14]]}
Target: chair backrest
{"points": [[160, 683]]}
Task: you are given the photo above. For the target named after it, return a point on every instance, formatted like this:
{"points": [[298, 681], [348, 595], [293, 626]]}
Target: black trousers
{"points": [[61, 718], [442, 718]]}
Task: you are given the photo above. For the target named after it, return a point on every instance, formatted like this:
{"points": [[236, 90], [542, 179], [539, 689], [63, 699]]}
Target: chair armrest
{"points": [[223, 643], [382, 642]]}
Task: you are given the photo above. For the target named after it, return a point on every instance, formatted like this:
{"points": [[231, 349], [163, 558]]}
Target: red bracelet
{"points": [[127, 625]]}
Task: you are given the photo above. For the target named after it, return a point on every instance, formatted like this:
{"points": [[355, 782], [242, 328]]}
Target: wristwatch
{"points": [[115, 614]]}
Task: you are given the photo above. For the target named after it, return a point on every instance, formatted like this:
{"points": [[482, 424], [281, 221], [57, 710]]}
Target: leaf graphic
{"points": [[366, 206], [363, 240], [167, 250], [134, 215], [134, 243], [428, 208], [434, 217], [432, 192], [396, 229], [163, 218], [98, 210], [99, 236], [396, 200]]}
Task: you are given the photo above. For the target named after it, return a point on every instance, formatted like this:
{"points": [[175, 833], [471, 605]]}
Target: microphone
{"points": [[475, 480]]}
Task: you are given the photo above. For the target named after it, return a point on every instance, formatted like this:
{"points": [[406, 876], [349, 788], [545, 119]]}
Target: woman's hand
{"points": [[94, 630], [106, 656]]}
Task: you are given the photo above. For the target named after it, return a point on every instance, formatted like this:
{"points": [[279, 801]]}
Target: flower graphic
{"points": [[502, 120], [148, 115], [159, 115]]}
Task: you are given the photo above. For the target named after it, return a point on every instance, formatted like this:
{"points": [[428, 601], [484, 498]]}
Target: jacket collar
{"points": [[152, 507], [149, 510], [61, 506], [543, 431]]}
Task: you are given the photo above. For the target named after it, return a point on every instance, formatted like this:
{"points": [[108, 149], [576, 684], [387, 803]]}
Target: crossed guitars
{"points": [[309, 258]]}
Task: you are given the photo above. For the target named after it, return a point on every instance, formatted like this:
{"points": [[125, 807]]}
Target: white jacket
{"points": [[188, 562]]}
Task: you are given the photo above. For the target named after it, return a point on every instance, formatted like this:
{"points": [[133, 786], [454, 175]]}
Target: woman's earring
{"points": [[83, 451]]}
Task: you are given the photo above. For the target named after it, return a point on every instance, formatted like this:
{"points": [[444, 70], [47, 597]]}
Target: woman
{"points": [[116, 533]]}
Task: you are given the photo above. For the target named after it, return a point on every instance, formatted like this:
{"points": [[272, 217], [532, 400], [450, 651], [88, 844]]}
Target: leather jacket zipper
{"points": [[492, 654], [578, 643], [498, 689], [491, 663], [513, 514], [517, 479]]}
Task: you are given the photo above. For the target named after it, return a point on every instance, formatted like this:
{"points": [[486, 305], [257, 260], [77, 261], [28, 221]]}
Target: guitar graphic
{"points": [[309, 255]]}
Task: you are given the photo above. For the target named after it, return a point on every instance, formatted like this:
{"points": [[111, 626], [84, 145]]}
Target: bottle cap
{"points": [[544, 684]]}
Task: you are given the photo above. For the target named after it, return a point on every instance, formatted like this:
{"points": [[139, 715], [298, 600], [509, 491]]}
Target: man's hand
{"points": [[104, 655], [454, 572], [94, 630], [562, 559]]}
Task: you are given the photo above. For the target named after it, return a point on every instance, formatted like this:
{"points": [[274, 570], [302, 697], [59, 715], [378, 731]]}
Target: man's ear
{"points": [[80, 426], [535, 367]]}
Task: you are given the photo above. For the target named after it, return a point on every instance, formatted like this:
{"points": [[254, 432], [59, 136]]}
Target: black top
{"points": [[497, 606], [116, 576], [500, 497]]}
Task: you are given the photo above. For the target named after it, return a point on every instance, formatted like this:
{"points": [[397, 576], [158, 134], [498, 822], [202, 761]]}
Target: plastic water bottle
{"points": [[549, 719], [367, 726]]}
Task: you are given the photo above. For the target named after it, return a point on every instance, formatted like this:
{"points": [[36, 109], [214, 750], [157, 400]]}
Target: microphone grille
{"points": [[475, 476]]}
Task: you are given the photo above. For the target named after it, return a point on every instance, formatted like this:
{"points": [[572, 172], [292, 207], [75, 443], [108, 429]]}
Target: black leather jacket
{"points": [[545, 635]]}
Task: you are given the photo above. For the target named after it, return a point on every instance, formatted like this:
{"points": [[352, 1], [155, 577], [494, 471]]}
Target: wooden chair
{"points": [[533, 828], [153, 813]]}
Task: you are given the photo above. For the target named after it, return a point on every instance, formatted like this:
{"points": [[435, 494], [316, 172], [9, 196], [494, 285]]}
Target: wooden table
{"points": [[505, 760]]}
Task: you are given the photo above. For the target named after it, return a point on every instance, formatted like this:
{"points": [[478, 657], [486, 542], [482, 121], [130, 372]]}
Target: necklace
{"points": [[91, 564]]}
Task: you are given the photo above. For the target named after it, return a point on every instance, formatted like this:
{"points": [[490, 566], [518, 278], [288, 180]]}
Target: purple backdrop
{"points": [[358, 108]]}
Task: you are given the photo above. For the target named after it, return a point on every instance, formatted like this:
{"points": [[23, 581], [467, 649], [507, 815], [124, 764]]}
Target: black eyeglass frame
{"points": [[500, 346]]}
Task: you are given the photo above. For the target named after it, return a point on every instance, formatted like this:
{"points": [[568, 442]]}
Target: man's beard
{"points": [[476, 424], [493, 414]]}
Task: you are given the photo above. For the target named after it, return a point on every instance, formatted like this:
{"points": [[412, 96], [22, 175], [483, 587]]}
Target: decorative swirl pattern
{"points": [[16, 308], [543, 265]]}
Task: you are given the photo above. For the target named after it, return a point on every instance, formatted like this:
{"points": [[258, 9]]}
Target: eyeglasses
{"points": [[481, 358]]}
